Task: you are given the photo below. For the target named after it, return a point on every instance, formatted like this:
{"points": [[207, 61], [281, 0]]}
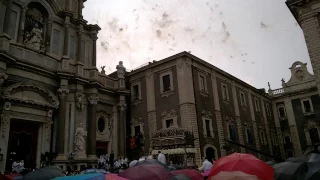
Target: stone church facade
{"points": [[296, 108], [53, 98], [190, 93]]}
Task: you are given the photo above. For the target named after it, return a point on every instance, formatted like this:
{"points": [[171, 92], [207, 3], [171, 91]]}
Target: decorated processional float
{"points": [[177, 144]]}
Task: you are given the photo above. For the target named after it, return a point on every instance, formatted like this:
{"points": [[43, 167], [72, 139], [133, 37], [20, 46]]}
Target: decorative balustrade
{"points": [[276, 92]]}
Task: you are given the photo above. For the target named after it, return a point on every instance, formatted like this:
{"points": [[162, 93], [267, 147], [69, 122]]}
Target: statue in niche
{"points": [[80, 140], [121, 70], [33, 37]]}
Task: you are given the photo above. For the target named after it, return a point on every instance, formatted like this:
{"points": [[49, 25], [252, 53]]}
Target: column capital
{"points": [[62, 92], [93, 99], [3, 77], [122, 106], [80, 29], [67, 21], [5, 119], [94, 36]]}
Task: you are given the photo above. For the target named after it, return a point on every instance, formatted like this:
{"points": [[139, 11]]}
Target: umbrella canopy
{"points": [[97, 176], [146, 172], [43, 174], [55, 167], [296, 159], [191, 173], [246, 163], [133, 163], [114, 177], [313, 171], [289, 170], [151, 161], [182, 177], [235, 175], [313, 157], [206, 173]]}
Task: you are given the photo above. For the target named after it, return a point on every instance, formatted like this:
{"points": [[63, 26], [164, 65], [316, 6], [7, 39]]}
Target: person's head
{"points": [[159, 152]]}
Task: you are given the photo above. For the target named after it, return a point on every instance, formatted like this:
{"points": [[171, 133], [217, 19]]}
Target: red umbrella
{"points": [[146, 172], [191, 173], [114, 177], [246, 163]]}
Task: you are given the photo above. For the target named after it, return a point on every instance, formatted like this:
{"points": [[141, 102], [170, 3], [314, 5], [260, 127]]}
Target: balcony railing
{"points": [[276, 92]]}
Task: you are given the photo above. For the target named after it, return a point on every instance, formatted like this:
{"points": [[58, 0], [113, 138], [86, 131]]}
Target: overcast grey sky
{"points": [[254, 40]]}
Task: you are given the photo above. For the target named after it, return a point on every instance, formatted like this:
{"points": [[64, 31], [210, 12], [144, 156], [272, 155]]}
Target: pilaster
{"points": [[188, 113], [266, 125], [151, 107], [94, 38], [115, 137], [91, 127], [62, 92], [310, 25], [7, 17], [65, 58], [238, 119], [5, 128], [21, 23], [80, 62], [48, 34], [217, 111], [254, 123], [293, 128], [122, 127], [278, 130]]}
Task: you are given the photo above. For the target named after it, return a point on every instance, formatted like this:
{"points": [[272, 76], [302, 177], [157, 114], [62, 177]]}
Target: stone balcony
{"points": [[292, 89]]}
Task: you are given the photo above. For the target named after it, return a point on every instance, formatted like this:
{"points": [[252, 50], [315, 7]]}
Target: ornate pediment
{"points": [[206, 114], [31, 94], [136, 121], [168, 114]]}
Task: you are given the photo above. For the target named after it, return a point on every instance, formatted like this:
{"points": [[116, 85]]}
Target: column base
{"points": [[61, 157], [80, 156]]}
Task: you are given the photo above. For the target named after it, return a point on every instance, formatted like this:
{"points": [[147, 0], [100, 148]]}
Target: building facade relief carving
{"points": [[47, 124], [79, 97], [33, 35], [5, 121], [3, 77], [80, 141], [93, 99]]}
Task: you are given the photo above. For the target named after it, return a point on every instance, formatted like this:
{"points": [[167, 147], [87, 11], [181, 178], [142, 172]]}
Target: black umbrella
{"points": [[43, 174], [181, 177], [313, 171], [296, 159], [290, 171], [152, 161], [172, 167]]}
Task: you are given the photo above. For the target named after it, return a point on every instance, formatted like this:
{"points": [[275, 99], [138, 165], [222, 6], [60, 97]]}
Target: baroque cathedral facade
{"points": [[53, 98]]}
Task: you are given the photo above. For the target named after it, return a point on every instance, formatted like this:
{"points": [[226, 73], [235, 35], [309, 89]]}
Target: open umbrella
{"points": [[97, 176], [191, 173], [182, 177], [246, 163], [114, 177], [151, 161], [313, 172], [289, 170], [146, 172], [93, 171], [43, 174], [236, 175]]}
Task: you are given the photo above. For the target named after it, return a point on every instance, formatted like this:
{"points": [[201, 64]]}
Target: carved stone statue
{"points": [[33, 39], [121, 70], [283, 82], [79, 100], [102, 70], [80, 140]]}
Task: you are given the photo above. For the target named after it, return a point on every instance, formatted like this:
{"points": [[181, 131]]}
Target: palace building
{"points": [[53, 98]]}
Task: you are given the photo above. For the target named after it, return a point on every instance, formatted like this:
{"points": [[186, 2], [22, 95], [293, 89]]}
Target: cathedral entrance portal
{"points": [[22, 143]]}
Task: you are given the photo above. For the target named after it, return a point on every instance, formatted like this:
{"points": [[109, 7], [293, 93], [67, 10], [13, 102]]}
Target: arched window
{"points": [[35, 27]]}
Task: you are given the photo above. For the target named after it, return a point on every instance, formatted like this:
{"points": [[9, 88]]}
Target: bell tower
{"points": [[306, 12]]}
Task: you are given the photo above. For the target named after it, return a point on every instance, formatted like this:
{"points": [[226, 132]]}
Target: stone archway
{"points": [[210, 152]]}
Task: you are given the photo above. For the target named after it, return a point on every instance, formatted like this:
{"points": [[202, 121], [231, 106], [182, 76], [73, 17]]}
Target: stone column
{"points": [[91, 126], [94, 38], [217, 111], [293, 128], [7, 17], [21, 24], [151, 107], [4, 137], [61, 123], [122, 129], [237, 112], [278, 130], [48, 34], [80, 56]]}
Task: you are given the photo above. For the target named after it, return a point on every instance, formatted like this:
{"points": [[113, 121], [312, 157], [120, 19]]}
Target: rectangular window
{"points": [[268, 110], [166, 83], [169, 123], [137, 130], [307, 106], [242, 99], [136, 94], [282, 112], [202, 84], [225, 94], [72, 47], [208, 128], [56, 42], [13, 24], [257, 104]]}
